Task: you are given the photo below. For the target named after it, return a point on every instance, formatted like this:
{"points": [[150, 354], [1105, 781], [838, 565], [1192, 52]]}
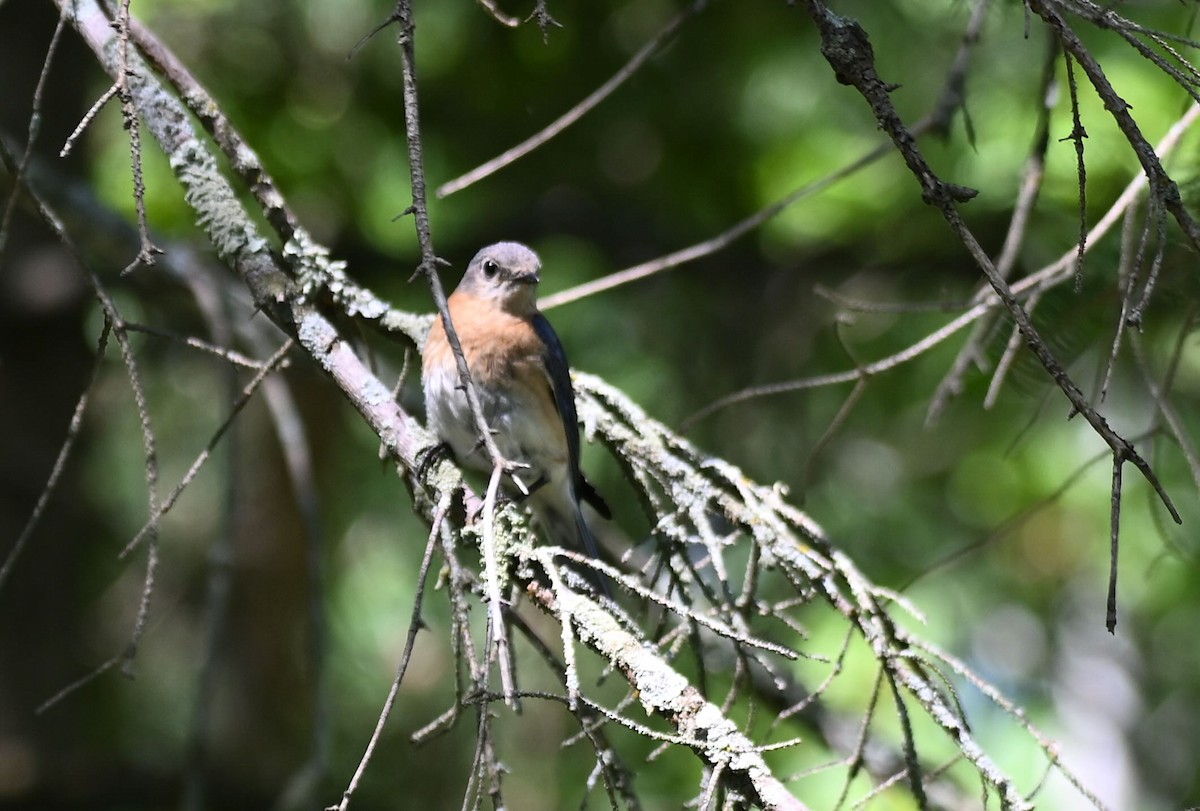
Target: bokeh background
{"points": [[738, 110]]}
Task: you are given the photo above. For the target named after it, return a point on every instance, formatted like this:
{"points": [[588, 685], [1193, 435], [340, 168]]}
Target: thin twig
{"points": [[85, 122], [846, 47], [498, 15], [579, 110], [1009, 356], [1077, 136], [938, 120], [147, 250], [713, 244], [493, 582], [971, 352], [402, 14], [31, 133], [78, 684], [60, 462], [415, 624], [1161, 183], [1110, 618], [242, 159], [158, 511], [231, 355], [114, 318]]}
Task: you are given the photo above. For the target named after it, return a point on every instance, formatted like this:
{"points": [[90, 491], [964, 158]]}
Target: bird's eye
{"points": [[490, 268]]}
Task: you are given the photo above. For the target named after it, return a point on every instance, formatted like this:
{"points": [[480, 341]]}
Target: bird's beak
{"points": [[532, 277]]}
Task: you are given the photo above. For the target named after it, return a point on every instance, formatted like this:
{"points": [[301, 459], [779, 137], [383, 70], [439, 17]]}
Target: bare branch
{"points": [[1161, 184], [846, 47]]}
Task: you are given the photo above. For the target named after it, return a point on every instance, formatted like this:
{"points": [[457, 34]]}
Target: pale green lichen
{"points": [[314, 270]]}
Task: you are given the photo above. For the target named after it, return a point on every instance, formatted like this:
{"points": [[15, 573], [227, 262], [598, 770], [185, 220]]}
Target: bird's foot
{"points": [[430, 456]]}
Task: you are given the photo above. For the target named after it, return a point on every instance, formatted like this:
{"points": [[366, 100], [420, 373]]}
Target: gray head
{"points": [[506, 273]]}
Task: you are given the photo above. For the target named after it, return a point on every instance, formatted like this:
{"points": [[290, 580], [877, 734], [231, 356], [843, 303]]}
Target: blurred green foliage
{"points": [[739, 110]]}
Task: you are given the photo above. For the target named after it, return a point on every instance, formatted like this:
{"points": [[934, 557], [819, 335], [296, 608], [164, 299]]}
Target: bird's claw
{"points": [[429, 456]]}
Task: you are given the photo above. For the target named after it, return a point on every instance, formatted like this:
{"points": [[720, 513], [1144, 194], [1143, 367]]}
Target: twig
{"points": [[242, 159], [158, 511], [708, 800], [579, 110], [858, 755], [147, 250], [846, 47], [1019, 716], [839, 419], [498, 15], [1078, 134], [60, 462], [493, 582], [951, 384], [415, 624], [852, 376], [78, 684], [1161, 183], [114, 318], [938, 120], [911, 761], [617, 778], [714, 244], [31, 134], [1110, 619], [88, 117], [1008, 357], [231, 355], [420, 211], [667, 692], [546, 555]]}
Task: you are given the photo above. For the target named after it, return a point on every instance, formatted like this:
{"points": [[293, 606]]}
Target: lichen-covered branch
{"points": [[278, 286]]}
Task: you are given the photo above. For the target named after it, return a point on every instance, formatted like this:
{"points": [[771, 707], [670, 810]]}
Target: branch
{"points": [[696, 502], [848, 51], [240, 244], [1161, 183], [663, 690]]}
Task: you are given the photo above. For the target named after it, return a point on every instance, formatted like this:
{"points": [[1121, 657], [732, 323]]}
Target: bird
{"points": [[520, 372]]}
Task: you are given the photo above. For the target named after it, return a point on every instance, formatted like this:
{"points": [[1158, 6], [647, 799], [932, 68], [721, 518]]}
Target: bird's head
{"points": [[507, 274]]}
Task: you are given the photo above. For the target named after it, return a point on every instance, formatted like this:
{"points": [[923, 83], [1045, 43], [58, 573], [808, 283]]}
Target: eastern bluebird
{"points": [[520, 373]]}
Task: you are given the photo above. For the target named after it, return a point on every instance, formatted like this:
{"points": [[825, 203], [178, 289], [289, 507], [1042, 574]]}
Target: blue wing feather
{"points": [[555, 358]]}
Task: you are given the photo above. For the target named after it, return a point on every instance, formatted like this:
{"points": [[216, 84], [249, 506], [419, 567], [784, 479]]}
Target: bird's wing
{"points": [[558, 370]]}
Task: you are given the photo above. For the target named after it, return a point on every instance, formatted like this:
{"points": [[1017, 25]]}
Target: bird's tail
{"points": [[572, 532]]}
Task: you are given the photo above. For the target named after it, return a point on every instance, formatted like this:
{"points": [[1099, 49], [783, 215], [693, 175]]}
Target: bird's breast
{"points": [[506, 360]]}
